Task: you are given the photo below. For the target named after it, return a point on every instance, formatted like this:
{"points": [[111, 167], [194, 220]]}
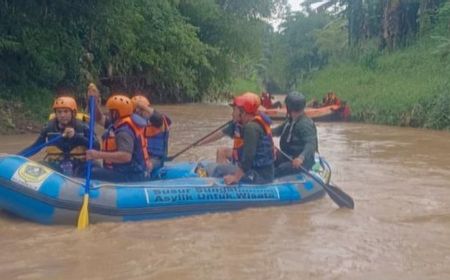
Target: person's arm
{"points": [[251, 135], [308, 134], [276, 132], [125, 147], [99, 116]]}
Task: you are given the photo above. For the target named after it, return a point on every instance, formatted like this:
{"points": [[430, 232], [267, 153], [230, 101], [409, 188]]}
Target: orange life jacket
{"points": [[265, 150], [109, 144]]}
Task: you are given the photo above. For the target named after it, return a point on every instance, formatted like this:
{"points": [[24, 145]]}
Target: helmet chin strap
{"points": [[114, 115]]}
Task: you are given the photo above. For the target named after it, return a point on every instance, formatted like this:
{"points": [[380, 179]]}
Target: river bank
{"points": [[408, 87]]}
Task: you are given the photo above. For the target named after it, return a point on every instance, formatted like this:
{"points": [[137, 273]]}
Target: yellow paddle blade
{"points": [[83, 218]]}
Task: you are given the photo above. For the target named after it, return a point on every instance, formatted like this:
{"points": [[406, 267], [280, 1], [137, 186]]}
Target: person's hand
{"points": [[230, 179], [93, 91], [69, 132], [149, 165], [141, 105], [92, 154], [297, 162]]}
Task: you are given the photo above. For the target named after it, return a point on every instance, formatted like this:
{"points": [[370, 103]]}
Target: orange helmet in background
{"points": [[140, 98], [248, 101], [122, 104], [65, 102]]}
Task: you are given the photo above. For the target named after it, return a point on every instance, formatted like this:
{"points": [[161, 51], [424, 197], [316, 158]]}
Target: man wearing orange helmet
{"points": [[68, 154], [124, 150], [156, 130], [252, 152]]}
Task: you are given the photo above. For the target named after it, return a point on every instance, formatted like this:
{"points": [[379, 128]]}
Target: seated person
{"points": [[156, 130], [68, 155], [298, 140], [252, 152], [124, 150]]}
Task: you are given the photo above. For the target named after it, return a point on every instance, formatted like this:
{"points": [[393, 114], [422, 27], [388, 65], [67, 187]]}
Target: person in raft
{"points": [[298, 138], [68, 154], [124, 148], [156, 130], [252, 157]]}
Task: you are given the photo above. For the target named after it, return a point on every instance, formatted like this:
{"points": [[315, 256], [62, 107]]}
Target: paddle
{"points": [[38, 148], [196, 142], [83, 218], [336, 194]]}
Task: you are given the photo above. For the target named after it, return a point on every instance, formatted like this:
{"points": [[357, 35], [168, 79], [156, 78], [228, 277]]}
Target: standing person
{"points": [[156, 130], [68, 155], [298, 138], [252, 152], [124, 150]]}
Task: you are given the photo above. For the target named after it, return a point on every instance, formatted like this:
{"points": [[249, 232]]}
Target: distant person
{"points": [[266, 101], [68, 155], [298, 138]]}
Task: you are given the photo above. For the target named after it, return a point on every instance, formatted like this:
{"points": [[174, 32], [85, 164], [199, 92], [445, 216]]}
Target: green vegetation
{"points": [[408, 87], [388, 59]]}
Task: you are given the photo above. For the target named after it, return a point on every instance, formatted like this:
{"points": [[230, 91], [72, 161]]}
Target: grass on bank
{"points": [[24, 113], [409, 87]]}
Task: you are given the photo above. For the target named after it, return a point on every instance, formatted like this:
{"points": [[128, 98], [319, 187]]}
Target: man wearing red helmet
{"points": [[68, 154], [252, 152]]}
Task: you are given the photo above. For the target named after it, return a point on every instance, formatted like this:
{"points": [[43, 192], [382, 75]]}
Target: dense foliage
{"points": [[178, 49], [191, 50]]}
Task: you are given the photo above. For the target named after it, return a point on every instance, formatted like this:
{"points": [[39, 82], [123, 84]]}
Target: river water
{"points": [[400, 228]]}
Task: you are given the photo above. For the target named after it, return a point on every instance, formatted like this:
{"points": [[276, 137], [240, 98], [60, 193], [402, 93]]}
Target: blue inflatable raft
{"points": [[37, 193]]}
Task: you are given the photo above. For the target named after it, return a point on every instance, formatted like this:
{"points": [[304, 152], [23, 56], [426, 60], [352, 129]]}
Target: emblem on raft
{"points": [[31, 175]]}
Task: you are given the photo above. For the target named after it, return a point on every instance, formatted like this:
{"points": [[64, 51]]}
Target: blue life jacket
{"points": [[264, 151], [158, 138]]}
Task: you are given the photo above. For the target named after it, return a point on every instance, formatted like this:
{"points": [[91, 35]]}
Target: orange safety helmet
{"points": [[122, 104], [140, 98], [65, 102], [248, 101]]}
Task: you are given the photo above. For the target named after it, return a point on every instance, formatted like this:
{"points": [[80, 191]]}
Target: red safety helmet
{"points": [[248, 101]]}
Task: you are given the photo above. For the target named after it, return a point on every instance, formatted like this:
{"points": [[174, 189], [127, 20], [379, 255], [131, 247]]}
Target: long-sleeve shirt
{"points": [[298, 137], [81, 138]]}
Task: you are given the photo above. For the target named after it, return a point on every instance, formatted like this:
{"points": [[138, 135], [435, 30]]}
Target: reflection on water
{"points": [[398, 177]]}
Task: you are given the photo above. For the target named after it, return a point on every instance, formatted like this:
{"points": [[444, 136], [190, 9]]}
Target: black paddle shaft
{"points": [[198, 141]]}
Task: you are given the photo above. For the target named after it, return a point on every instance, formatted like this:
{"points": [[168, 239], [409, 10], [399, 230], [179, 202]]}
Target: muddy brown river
{"points": [[400, 228]]}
